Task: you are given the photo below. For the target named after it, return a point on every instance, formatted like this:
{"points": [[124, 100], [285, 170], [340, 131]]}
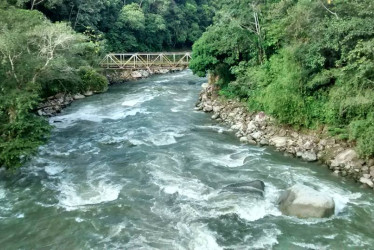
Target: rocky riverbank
{"points": [[257, 128], [55, 104], [118, 76]]}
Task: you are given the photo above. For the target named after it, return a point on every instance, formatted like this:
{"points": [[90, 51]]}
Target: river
{"points": [[138, 168]]}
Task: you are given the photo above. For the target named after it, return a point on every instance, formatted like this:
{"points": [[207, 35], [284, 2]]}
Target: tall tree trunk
{"points": [[76, 18]]}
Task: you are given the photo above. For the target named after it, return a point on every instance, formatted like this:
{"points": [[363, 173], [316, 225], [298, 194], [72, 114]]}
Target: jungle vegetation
{"points": [[309, 64], [54, 46]]}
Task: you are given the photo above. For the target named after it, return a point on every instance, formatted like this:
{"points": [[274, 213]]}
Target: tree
{"points": [[37, 59]]}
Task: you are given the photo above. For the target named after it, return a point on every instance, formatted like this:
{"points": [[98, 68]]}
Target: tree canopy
{"points": [[133, 25], [307, 63]]}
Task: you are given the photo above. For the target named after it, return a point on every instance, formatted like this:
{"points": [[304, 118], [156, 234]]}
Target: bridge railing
{"points": [[136, 61]]}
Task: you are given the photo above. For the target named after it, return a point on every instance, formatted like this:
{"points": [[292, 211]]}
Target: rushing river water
{"points": [[138, 168]]}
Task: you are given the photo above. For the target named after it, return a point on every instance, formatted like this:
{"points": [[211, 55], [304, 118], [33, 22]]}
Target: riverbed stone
{"points": [[251, 141], [278, 141], [256, 186], [216, 109], [305, 202], [344, 157], [208, 108], [264, 142], [163, 71], [243, 139], [257, 135], [365, 170], [78, 96], [136, 74], [308, 145], [59, 96], [372, 173], [251, 127], [215, 116], [205, 85], [236, 126], [367, 181], [144, 73], [88, 93], [299, 153], [367, 176], [309, 156]]}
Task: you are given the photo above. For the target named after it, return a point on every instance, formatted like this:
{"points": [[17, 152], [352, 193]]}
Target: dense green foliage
{"points": [[133, 25], [37, 59], [307, 63]]}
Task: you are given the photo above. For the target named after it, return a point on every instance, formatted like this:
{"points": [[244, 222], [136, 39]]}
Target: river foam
{"points": [[94, 114], [74, 197], [136, 99]]}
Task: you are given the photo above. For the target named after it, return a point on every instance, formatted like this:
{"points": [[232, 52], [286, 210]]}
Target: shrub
{"points": [[21, 132], [92, 80], [363, 132]]}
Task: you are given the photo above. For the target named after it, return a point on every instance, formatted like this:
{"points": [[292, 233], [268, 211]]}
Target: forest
{"points": [[54, 46], [309, 64]]}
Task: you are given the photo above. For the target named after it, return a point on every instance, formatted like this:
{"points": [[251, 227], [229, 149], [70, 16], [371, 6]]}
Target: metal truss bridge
{"points": [[150, 61]]}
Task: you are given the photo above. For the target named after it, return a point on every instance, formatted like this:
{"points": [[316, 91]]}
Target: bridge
{"points": [[150, 61]]}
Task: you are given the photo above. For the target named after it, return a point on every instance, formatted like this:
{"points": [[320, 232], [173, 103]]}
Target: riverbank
{"points": [[53, 105], [257, 128]]}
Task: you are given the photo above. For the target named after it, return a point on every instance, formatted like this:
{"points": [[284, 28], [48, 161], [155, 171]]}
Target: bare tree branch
{"points": [[331, 12]]}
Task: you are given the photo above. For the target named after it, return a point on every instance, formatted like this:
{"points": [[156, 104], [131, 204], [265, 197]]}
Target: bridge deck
{"points": [[136, 61]]}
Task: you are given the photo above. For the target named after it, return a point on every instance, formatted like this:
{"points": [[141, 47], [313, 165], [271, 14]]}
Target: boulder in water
{"points": [[256, 186], [305, 202]]}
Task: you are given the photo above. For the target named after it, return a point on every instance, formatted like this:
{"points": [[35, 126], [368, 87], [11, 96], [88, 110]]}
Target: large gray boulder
{"points": [[278, 141], [343, 158], [305, 202], [309, 156], [256, 186]]}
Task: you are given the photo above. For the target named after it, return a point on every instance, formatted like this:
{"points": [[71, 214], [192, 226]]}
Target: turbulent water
{"points": [[138, 168]]}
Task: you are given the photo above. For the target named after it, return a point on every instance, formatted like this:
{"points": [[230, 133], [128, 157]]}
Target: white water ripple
{"points": [[75, 196]]}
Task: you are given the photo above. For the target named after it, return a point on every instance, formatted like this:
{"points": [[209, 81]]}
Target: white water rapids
{"points": [[138, 168]]}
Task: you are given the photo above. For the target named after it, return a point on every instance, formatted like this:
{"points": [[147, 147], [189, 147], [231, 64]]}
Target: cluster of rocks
{"points": [[54, 104], [261, 129], [299, 200], [129, 75]]}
